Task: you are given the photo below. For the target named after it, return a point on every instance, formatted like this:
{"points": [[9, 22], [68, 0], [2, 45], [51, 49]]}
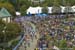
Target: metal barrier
{"points": [[66, 49], [16, 47]]}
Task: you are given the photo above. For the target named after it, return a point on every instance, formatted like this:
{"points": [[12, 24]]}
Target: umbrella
{"points": [[38, 15], [44, 15]]}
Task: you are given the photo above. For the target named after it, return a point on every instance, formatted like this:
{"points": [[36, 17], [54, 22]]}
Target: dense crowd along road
{"points": [[56, 32]]}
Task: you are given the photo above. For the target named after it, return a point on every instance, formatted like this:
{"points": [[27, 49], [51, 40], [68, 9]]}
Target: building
{"points": [[5, 15]]}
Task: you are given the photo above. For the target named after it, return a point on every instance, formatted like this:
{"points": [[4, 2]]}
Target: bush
{"points": [[8, 49], [12, 31], [63, 44], [8, 31], [14, 43], [0, 48]]}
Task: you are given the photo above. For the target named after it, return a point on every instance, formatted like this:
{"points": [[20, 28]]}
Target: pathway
{"points": [[32, 44]]}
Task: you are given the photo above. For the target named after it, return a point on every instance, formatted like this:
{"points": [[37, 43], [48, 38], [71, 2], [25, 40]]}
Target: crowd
{"points": [[54, 30]]}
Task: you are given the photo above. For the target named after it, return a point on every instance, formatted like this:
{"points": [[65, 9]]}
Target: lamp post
{"points": [[4, 40], [4, 34], [17, 5], [64, 2]]}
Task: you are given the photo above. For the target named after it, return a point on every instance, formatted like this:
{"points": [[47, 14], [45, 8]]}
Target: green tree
{"points": [[8, 6], [23, 10], [46, 3], [56, 7], [2, 25], [25, 2], [73, 48], [12, 31], [50, 2], [63, 44], [23, 6]]}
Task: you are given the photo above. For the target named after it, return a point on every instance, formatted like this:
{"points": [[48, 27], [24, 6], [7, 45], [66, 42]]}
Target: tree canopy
{"points": [[8, 6], [8, 30], [22, 5]]}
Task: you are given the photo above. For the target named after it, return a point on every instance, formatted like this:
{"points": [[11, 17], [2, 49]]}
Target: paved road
{"points": [[32, 44]]}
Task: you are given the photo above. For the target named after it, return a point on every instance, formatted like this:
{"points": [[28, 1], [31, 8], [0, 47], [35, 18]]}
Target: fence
{"points": [[16, 47]]}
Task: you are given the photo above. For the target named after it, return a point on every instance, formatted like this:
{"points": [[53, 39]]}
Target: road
{"points": [[32, 43]]}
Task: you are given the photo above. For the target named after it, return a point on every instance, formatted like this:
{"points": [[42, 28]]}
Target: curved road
{"points": [[32, 44], [33, 26]]}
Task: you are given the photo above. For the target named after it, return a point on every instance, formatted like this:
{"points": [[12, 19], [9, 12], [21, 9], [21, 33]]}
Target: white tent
{"points": [[62, 9], [39, 9], [34, 10], [31, 10], [18, 13], [49, 9], [73, 7]]}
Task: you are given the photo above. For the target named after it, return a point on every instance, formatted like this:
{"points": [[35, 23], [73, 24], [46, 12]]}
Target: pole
{"points": [[17, 5], [63, 2]]}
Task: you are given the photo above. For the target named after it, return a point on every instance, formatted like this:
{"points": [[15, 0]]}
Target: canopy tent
{"points": [[29, 14], [31, 10], [41, 15], [50, 9], [38, 10], [38, 15], [34, 10], [68, 9], [73, 7], [44, 15], [62, 9]]}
